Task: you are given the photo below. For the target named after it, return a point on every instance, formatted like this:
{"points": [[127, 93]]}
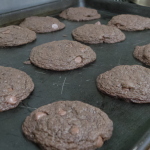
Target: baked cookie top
{"points": [[95, 33], [14, 35], [15, 86], [80, 14], [71, 125], [42, 24], [130, 22], [131, 83], [62, 55], [143, 53]]}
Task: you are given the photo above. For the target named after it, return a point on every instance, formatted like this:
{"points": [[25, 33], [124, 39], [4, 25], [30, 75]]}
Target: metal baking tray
{"points": [[13, 5], [131, 120]]}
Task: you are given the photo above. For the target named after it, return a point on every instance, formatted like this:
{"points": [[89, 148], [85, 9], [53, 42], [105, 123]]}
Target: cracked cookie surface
{"points": [[80, 14], [68, 125], [15, 86], [131, 83], [142, 53], [96, 33], [14, 36], [130, 22], [62, 55], [42, 24]]}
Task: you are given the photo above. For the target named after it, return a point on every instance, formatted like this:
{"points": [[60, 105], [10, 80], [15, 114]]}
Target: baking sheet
{"points": [[130, 120]]}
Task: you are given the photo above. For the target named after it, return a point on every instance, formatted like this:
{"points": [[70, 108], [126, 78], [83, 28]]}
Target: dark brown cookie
{"points": [[143, 53], [62, 55], [131, 83], [68, 125], [42, 24], [80, 14], [95, 33], [14, 35], [130, 22], [15, 86]]}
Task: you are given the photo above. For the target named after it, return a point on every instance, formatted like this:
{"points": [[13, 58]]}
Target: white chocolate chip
{"points": [[39, 115], [55, 26], [78, 59], [62, 112], [99, 142], [74, 130], [11, 100]]}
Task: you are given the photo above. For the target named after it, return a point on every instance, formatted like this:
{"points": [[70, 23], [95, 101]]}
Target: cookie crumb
{"points": [[98, 23], [27, 62]]}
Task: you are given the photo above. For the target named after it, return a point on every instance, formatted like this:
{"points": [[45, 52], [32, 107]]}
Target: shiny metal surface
{"points": [[143, 143], [141, 2], [13, 5], [50, 8]]}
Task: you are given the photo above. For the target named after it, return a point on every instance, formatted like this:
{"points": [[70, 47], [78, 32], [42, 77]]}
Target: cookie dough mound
{"points": [[62, 55], [130, 22], [80, 14], [143, 53], [15, 86], [42, 24], [94, 34], [68, 125], [131, 83], [14, 35]]}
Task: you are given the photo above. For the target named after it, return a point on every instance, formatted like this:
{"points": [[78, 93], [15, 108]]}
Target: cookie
{"points": [[96, 33], [130, 22], [131, 83], [68, 125], [62, 55], [15, 86], [42, 24], [80, 14], [143, 53], [14, 35]]}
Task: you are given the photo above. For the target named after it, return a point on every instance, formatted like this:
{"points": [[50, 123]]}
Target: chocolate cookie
{"points": [[131, 83], [62, 55], [15, 86], [80, 14], [130, 22], [143, 53], [95, 33], [42, 24], [68, 125], [14, 35]]}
